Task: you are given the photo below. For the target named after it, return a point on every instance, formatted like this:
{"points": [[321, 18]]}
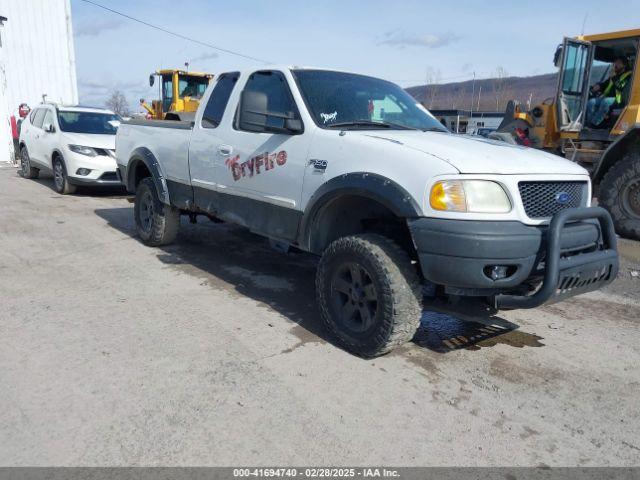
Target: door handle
{"points": [[225, 150]]}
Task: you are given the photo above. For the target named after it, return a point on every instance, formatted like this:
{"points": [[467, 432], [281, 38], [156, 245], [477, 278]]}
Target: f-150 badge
{"points": [[255, 165]]}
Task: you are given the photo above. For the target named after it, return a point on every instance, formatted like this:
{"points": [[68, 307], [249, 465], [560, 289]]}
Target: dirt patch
{"points": [[304, 336], [603, 310]]}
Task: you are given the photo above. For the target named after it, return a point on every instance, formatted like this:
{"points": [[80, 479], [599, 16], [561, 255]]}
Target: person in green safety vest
{"points": [[609, 96]]}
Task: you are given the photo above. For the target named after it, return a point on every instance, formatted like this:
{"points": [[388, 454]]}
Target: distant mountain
{"points": [[493, 93]]}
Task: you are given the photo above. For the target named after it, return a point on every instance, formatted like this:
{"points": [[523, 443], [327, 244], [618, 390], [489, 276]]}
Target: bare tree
{"points": [[118, 103], [501, 86], [434, 78], [457, 98]]}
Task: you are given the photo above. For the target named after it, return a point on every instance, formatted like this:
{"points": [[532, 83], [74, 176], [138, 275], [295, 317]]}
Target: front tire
{"points": [[156, 223], [60, 178], [26, 170], [369, 294], [620, 195]]}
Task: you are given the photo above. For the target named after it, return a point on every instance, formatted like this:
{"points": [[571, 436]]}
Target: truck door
{"points": [[207, 137], [259, 174], [573, 84]]}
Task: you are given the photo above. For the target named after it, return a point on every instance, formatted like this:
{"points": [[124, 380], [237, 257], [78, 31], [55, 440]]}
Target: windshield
{"points": [[192, 86], [88, 122], [354, 101]]}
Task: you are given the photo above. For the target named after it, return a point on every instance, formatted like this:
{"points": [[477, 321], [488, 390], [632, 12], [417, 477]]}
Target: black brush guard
{"points": [[571, 275]]}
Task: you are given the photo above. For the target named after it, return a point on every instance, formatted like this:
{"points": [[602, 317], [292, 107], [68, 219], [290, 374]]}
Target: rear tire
{"points": [[156, 223], [60, 178], [26, 170], [619, 193], [369, 294]]}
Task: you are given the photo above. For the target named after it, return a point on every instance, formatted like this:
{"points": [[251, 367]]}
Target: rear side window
{"points": [[39, 117], [218, 100]]}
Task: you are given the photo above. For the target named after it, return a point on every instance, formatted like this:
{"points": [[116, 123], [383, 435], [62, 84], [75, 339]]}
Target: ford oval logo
{"points": [[562, 198]]}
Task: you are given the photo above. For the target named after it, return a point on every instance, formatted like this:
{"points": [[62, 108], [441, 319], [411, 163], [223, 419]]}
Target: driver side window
{"points": [[279, 99], [48, 118]]}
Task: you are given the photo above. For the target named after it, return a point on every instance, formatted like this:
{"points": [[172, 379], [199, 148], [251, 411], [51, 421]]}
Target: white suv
{"points": [[76, 144]]}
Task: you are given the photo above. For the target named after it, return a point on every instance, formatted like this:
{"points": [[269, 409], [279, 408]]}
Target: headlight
{"points": [[475, 196], [82, 150]]}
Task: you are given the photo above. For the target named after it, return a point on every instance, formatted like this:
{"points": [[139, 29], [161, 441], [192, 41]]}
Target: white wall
{"points": [[39, 57]]}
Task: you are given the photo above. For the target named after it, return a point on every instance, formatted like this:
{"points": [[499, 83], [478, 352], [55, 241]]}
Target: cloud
{"points": [[401, 39], [93, 28], [205, 56], [108, 85]]}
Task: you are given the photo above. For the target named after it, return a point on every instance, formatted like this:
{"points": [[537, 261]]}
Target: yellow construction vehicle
{"points": [[180, 93], [594, 119]]}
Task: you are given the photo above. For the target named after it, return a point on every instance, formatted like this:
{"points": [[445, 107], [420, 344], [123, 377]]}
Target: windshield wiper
{"points": [[370, 123], [435, 129]]}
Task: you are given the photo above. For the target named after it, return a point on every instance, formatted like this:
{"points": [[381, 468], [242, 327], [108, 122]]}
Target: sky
{"points": [[405, 41]]}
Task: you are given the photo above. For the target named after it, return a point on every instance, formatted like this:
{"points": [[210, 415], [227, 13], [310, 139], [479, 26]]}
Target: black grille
{"points": [[545, 199], [108, 176]]}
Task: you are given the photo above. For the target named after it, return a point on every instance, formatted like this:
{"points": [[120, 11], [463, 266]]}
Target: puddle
{"points": [[443, 332], [269, 282]]}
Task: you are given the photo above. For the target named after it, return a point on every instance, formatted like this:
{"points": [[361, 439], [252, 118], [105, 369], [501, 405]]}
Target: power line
{"points": [[175, 34]]}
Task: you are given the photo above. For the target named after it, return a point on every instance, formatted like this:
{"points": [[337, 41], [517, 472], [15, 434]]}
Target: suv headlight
{"points": [[82, 150], [474, 196]]}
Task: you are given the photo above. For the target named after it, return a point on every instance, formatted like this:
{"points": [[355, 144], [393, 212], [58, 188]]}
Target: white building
{"points": [[36, 58], [464, 121]]}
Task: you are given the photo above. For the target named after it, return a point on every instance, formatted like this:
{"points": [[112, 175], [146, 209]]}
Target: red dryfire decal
{"points": [[255, 165]]}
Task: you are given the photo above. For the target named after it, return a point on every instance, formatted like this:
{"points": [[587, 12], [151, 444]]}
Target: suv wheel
{"points": [[26, 170], [369, 294], [156, 223], [60, 180]]}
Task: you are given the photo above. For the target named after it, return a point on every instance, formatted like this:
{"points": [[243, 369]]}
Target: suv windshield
{"points": [[88, 122], [346, 100]]}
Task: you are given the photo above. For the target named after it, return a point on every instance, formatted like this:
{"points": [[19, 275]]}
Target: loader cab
{"points": [[179, 91], [585, 62]]}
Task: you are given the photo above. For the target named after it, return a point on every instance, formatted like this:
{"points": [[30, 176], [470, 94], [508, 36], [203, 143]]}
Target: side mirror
{"points": [[152, 80], [557, 56], [49, 128], [255, 117]]}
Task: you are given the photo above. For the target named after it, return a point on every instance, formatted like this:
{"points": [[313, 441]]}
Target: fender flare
{"points": [[615, 151], [144, 155], [363, 184]]}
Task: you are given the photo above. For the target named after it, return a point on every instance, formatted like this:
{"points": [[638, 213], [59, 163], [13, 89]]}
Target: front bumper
{"points": [[575, 254], [102, 170], [106, 179]]}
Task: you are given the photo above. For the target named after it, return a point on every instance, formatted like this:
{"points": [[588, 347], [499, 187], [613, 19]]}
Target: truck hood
{"points": [[108, 142], [480, 155]]}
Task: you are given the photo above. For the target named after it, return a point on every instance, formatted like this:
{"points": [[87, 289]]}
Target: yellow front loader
{"points": [[579, 123], [179, 92]]}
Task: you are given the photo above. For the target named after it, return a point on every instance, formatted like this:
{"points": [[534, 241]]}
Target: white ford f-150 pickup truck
{"points": [[351, 168]]}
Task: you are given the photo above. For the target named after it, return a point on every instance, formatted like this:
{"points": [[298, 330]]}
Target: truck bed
{"points": [[181, 124], [165, 140]]}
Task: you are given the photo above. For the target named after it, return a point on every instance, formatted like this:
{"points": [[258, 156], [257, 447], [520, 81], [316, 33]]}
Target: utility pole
{"points": [[479, 95]]}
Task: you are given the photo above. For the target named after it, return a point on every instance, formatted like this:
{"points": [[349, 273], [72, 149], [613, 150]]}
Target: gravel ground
{"points": [[210, 352]]}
